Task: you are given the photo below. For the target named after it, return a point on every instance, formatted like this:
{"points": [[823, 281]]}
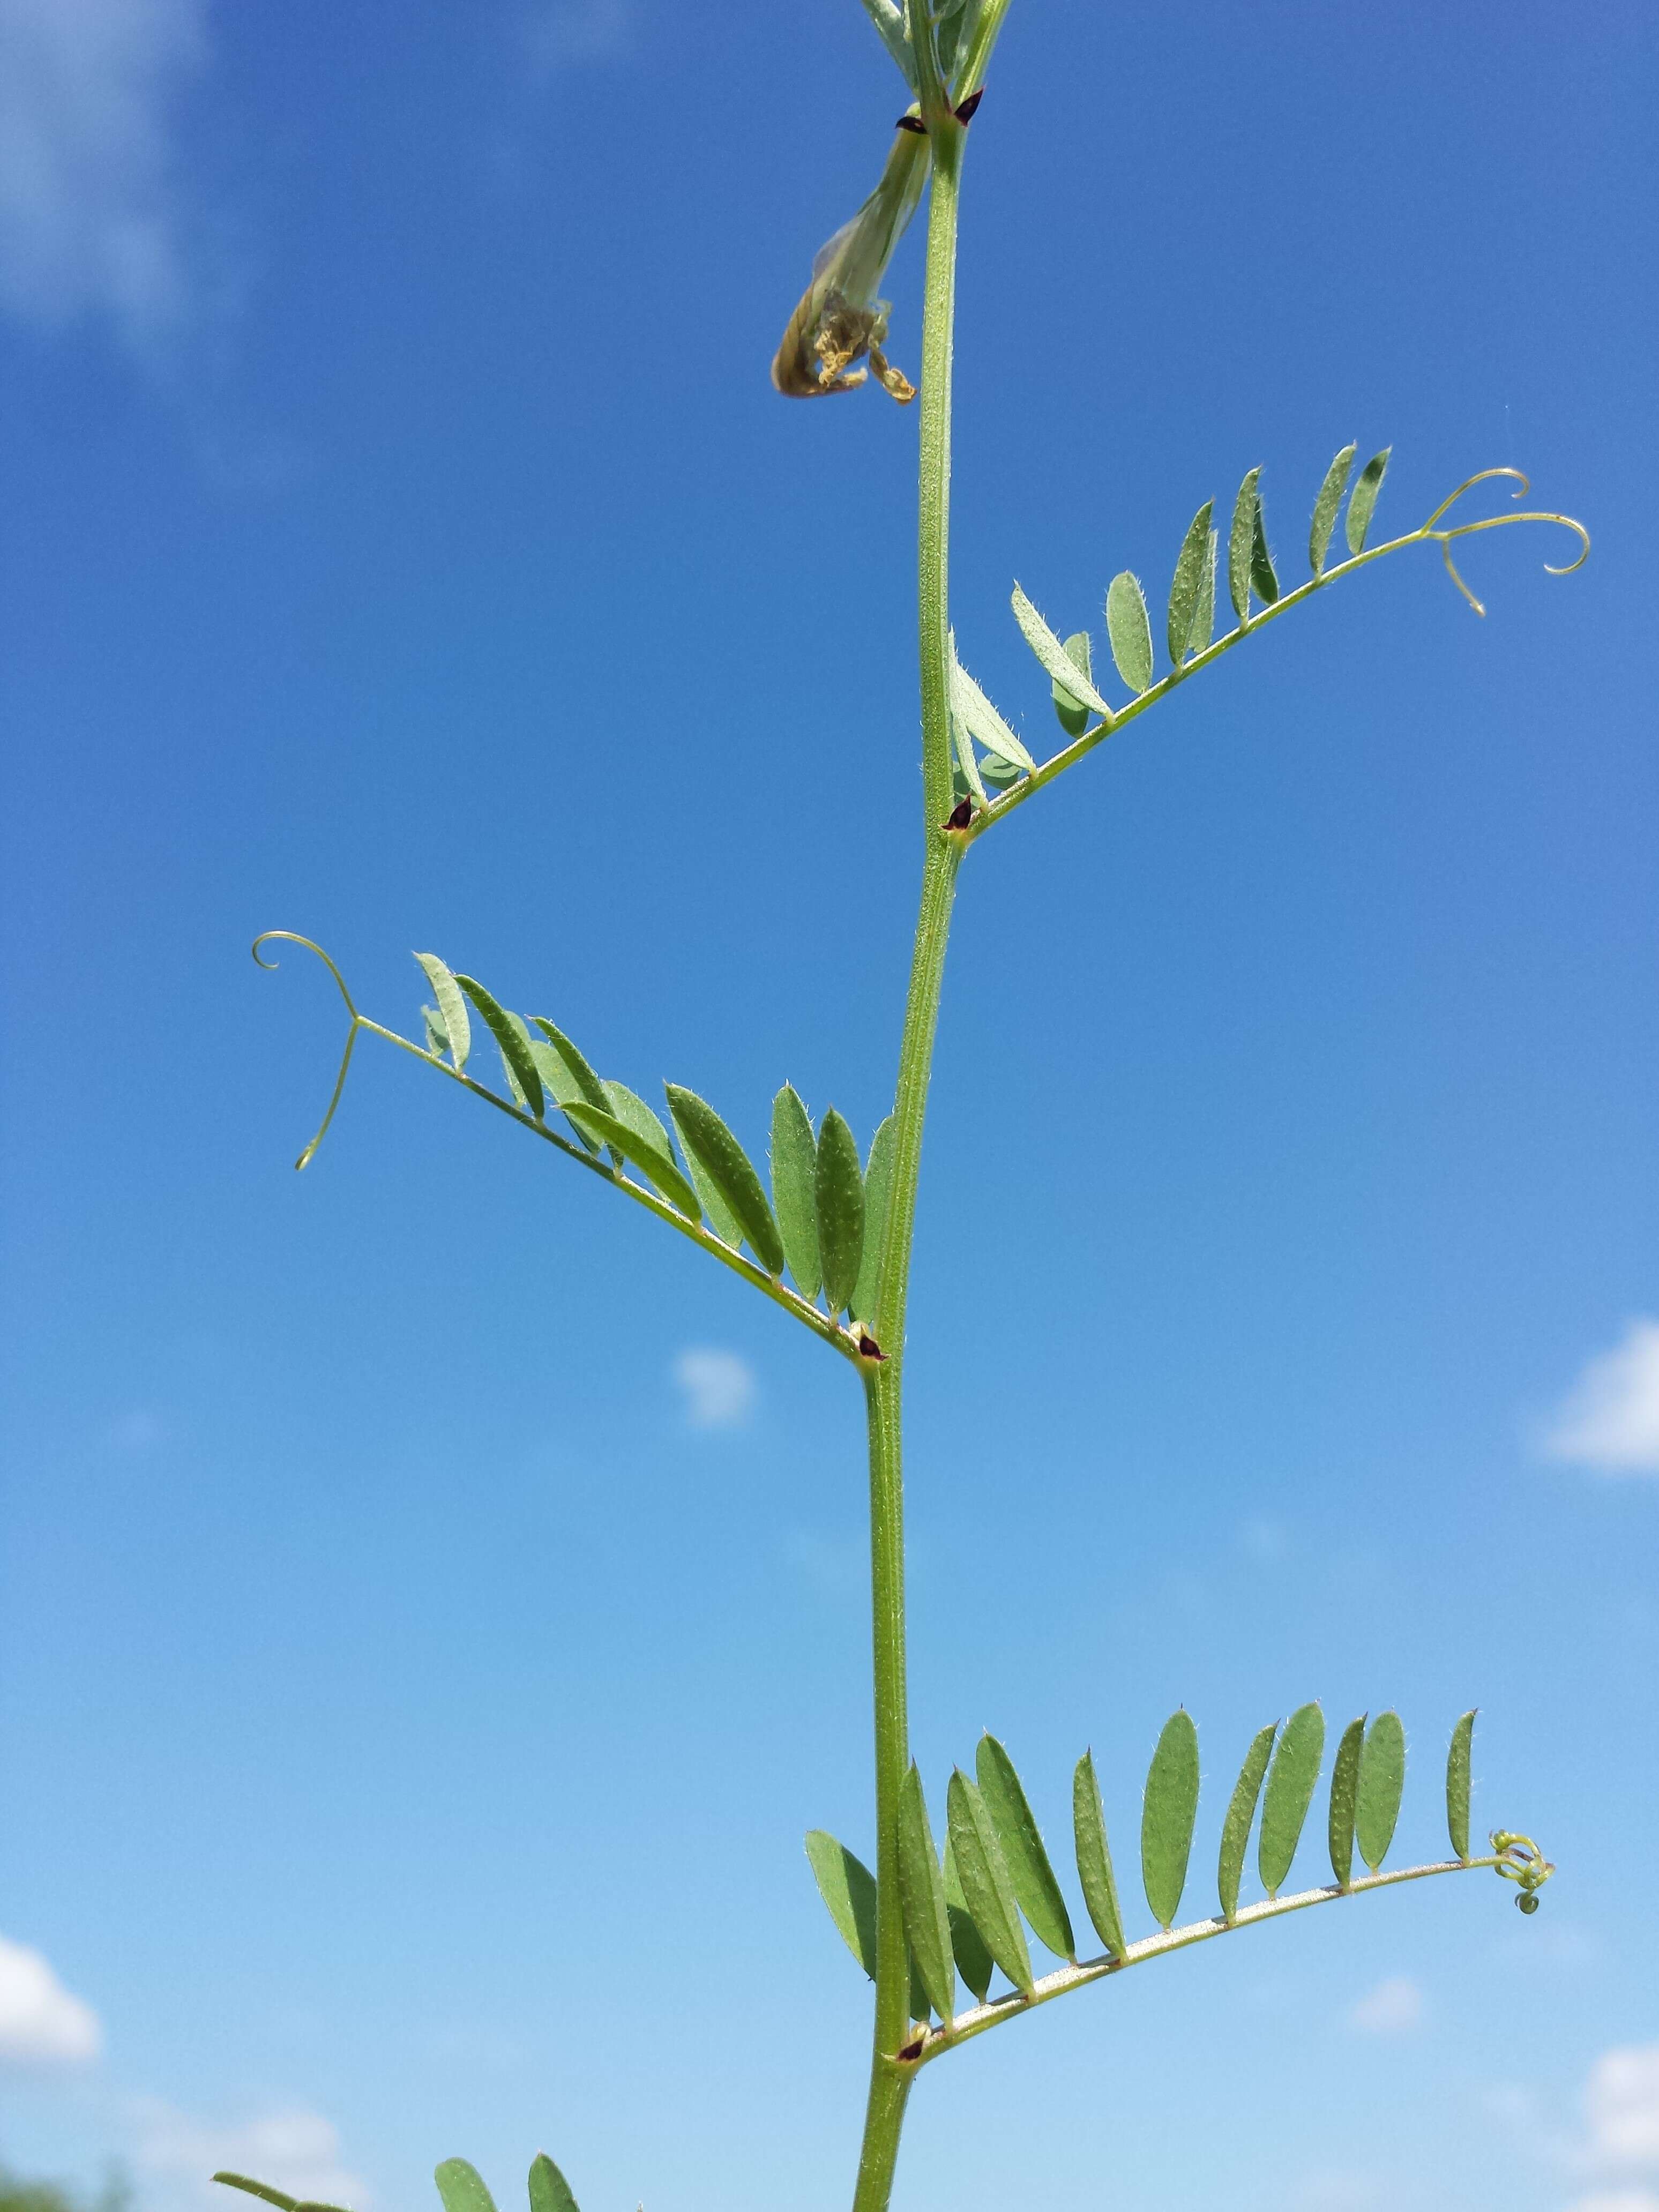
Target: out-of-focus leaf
{"points": [[515, 1053], [888, 20], [589, 1085], [1072, 713], [437, 1036], [277, 2197], [794, 1170], [848, 1888], [654, 1163], [1035, 1890], [838, 1192], [1054, 658], [970, 703], [1240, 545], [1362, 504], [560, 1083], [461, 2185], [1325, 508], [966, 759], [1345, 1799], [452, 1007], [1185, 591], [1457, 1785], [549, 2189], [878, 1191], [1263, 574], [1241, 1812], [1381, 1785], [1128, 630], [1291, 1783], [921, 1893], [974, 1962], [1094, 1857], [1167, 1814], [986, 1885], [704, 1134]]}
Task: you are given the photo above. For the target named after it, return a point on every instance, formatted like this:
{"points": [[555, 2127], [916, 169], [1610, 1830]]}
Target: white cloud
{"points": [[1393, 2007], [294, 2150], [1617, 2200], [40, 2023], [90, 221], [718, 1387], [1621, 2110], [1610, 1420]]}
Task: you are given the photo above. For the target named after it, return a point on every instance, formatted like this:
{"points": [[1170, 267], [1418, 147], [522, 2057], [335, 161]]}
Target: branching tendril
{"points": [[292, 937], [1444, 537]]}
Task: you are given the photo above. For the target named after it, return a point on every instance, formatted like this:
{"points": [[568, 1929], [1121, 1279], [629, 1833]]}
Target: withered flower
{"points": [[840, 320]]}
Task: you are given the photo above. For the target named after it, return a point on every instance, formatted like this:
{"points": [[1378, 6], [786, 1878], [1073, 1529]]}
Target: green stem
{"points": [[889, 2081]]}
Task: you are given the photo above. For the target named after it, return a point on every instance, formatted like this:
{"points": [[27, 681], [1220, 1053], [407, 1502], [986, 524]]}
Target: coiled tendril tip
{"points": [[292, 937], [1498, 522]]}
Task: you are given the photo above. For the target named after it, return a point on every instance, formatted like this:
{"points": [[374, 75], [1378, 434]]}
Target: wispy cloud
{"points": [[1395, 2007], [91, 223], [1610, 1418], [41, 2024], [297, 2150], [718, 1387], [563, 32]]}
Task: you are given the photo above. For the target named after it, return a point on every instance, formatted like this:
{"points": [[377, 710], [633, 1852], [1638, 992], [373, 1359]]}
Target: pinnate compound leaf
{"points": [[1094, 1857], [1263, 574], [1187, 587], [985, 1883], [1054, 658], [1362, 504], [1073, 715], [1457, 1785], [848, 1888], [549, 2189], [877, 1189], [1035, 1891], [838, 1194], [277, 2197], [1381, 1785], [452, 1008], [794, 1169], [974, 1962], [461, 2187], [1240, 545], [1167, 1814], [515, 1051], [921, 1894], [972, 706], [704, 1134], [1325, 508], [656, 1165], [1345, 1799], [1129, 631], [1292, 1780], [1241, 1813]]}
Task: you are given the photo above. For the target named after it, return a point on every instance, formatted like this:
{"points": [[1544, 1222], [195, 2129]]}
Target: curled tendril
{"points": [[1519, 1861], [292, 937], [1444, 538]]}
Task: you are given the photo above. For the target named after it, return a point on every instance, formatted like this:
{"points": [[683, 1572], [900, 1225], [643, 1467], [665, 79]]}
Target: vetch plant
{"points": [[944, 1918]]}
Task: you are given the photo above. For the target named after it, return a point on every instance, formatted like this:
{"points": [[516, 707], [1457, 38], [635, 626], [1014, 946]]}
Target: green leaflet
{"points": [[587, 1085], [276, 2196], [703, 1134], [1186, 589], [794, 1167], [627, 1106], [1094, 1857], [1241, 1812], [848, 1888], [1128, 630], [559, 1081], [1072, 713], [1362, 504], [461, 2185], [658, 1167], [921, 1894], [1167, 1814], [1291, 1782], [838, 1194], [1053, 657], [974, 1962], [877, 1185], [549, 2189], [1240, 545], [1457, 1786], [985, 1883], [515, 1053], [966, 759], [437, 1037], [1263, 574], [1203, 628], [1325, 507], [970, 703], [521, 1030], [1345, 1799], [888, 20], [451, 1009], [1035, 1890], [1381, 1785]]}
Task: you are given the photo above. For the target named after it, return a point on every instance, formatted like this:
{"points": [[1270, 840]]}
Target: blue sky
{"points": [[433, 1600]]}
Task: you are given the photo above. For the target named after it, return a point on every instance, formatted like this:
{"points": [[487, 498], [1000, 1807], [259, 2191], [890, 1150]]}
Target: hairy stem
{"points": [[883, 1383]]}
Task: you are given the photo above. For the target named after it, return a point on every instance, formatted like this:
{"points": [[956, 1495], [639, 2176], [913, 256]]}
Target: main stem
{"points": [[890, 2080]]}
